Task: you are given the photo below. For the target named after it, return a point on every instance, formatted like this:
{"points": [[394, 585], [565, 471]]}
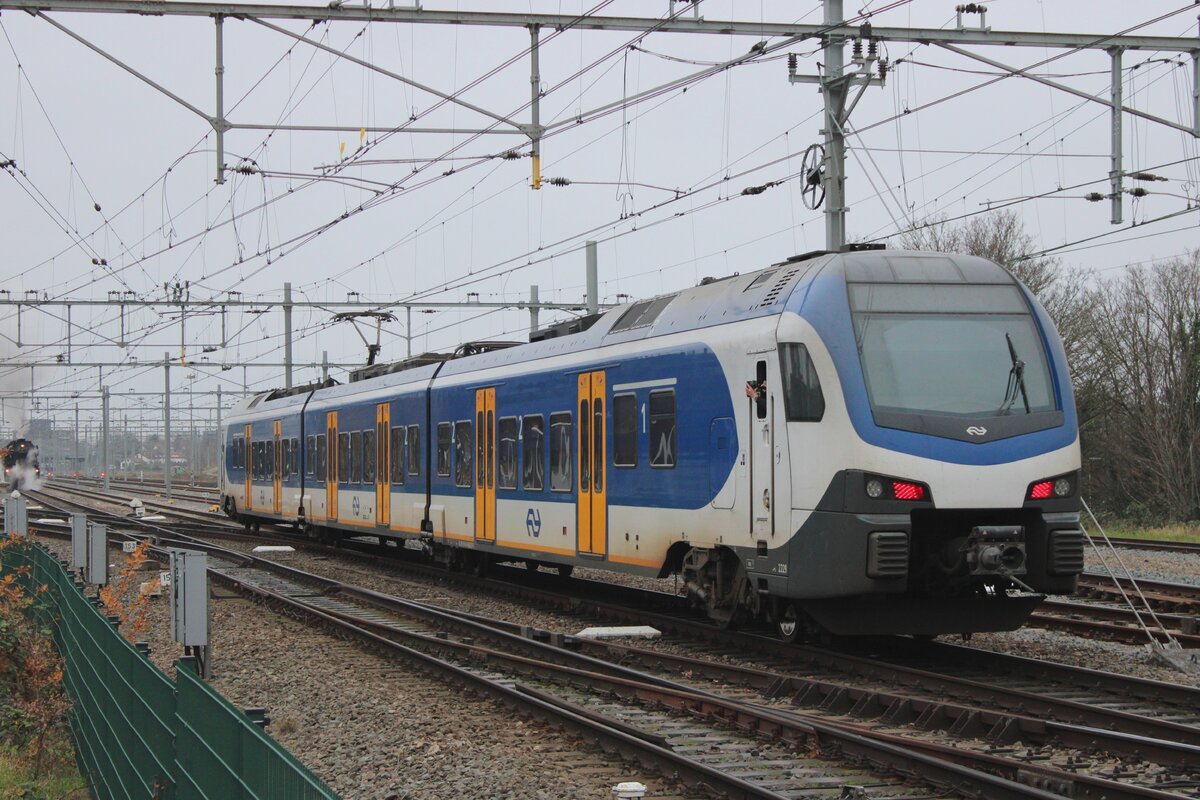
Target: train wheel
{"points": [[565, 570], [787, 622]]}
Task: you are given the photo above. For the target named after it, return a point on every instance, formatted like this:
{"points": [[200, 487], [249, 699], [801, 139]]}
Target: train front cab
{"points": [[967, 511]]}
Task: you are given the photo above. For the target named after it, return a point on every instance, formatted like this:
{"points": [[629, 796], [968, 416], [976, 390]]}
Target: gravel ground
{"points": [[1148, 564], [372, 729], [377, 731]]}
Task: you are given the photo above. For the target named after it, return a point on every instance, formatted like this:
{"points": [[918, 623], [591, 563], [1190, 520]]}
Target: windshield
{"points": [[945, 350]]}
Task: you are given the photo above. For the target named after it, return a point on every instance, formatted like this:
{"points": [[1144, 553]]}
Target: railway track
{"points": [[1155, 544], [1176, 604], [1157, 742]]}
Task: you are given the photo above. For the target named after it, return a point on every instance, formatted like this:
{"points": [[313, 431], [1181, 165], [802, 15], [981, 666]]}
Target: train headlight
{"points": [[880, 488], [1051, 488]]}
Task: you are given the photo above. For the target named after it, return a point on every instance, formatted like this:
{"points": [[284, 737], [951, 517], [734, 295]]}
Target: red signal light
{"points": [[908, 491], [1041, 490]]}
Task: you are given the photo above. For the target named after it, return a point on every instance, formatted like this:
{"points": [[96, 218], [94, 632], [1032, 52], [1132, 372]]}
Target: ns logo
{"points": [[977, 430]]}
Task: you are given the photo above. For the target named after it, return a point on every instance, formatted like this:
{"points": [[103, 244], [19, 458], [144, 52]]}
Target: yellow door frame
{"points": [[485, 465], [278, 472], [248, 463], [592, 441], [331, 466], [383, 465]]}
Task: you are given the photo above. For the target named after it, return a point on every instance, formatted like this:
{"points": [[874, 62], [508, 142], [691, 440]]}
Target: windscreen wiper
{"points": [[1016, 380]]}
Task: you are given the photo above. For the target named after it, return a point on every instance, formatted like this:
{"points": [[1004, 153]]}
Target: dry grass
{"points": [[1179, 532]]}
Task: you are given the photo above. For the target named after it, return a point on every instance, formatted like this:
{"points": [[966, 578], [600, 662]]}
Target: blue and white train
{"points": [[858, 442]]}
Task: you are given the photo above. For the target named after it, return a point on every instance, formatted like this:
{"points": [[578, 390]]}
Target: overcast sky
{"points": [[658, 184]]}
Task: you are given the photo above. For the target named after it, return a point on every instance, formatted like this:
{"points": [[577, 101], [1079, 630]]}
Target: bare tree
{"points": [[1146, 363]]}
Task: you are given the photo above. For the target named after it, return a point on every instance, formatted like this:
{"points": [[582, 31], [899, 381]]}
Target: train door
{"points": [[592, 502], [248, 460], [485, 465], [383, 474], [331, 465], [761, 445], [278, 471]]}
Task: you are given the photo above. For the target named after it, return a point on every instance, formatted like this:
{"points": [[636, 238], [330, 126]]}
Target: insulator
{"points": [[858, 48], [558, 181], [792, 61], [883, 68], [1138, 191], [1093, 197], [872, 49]]}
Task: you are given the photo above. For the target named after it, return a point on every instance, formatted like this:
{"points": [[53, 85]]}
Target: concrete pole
{"points": [[593, 282], [533, 310], [192, 435], [408, 329], [75, 469], [104, 435], [535, 100], [220, 441], [1116, 173], [167, 423], [219, 123], [833, 89], [287, 335], [324, 365]]}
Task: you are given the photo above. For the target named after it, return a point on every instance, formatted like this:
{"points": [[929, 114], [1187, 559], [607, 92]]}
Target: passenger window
{"points": [[356, 456], [662, 429], [397, 465], [560, 452], [506, 441], [296, 455], [343, 458], [414, 450], [533, 453], [491, 446], [269, 458], [760, 399], [254, 460], [624, 409], [462, 453], [598, 444], [285, 457], [480, 461], [803, 400], [585, 445], [443, 448], [369, 457], [319, 459], [310, 452]]}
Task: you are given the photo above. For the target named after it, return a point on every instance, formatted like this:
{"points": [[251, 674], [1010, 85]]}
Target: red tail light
{"points": [[908, 491], [1041, 490]]}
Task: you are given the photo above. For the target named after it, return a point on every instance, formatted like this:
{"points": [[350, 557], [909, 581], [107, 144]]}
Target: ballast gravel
{"points": [[373, 729]]}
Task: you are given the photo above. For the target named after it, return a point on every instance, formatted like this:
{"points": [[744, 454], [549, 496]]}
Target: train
{"points": [[857, 442], [21, 467]]}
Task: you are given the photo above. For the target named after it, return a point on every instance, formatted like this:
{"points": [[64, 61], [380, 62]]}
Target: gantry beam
{"points": [[681, 24], [264, 305]]}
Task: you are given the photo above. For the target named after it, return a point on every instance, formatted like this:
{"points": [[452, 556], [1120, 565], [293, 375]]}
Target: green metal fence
{"points": [[138, 734]]}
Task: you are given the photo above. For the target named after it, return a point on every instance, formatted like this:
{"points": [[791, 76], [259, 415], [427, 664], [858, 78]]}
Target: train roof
{"points": [[715, 301]]}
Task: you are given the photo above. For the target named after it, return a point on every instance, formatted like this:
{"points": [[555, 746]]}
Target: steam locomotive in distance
{"points": [[20, 463]]}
